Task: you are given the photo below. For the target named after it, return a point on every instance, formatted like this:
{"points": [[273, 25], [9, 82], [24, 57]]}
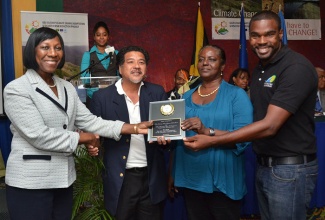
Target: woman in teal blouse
{"points": [[106, 67], [213, 179]]}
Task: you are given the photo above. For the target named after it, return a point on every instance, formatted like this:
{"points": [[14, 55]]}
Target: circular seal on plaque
{"points": [[167, 109]]}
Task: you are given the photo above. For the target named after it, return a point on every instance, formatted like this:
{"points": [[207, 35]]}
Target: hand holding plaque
{"points": [[167, 117]]}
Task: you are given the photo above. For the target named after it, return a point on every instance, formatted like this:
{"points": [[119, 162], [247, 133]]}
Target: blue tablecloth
{"points": [[318, 199], [250, 204]]}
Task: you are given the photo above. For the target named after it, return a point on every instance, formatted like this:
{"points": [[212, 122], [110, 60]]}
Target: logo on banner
{"points": [[31, 27], [221, 28], [34, 25]]}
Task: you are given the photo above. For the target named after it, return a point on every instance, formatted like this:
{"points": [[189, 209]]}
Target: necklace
{"points": [[52, 86], [199, 91]]}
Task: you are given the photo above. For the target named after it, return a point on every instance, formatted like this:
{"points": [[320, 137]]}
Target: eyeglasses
{"points": [[321, 77]]}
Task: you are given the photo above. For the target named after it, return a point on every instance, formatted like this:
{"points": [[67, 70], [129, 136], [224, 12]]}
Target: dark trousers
{"points": [[134, 200], [211, 206], [39, 204]]}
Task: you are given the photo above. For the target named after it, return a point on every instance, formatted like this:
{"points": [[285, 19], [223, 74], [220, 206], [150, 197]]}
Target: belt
{"points": [[273, 161], [137, 169]]}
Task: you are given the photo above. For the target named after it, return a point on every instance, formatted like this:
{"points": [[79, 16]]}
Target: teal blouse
{"points": [[85, 62], [216, 168]]}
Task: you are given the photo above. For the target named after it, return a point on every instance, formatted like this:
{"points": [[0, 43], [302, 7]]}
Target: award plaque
{"points": [[167, 117]]}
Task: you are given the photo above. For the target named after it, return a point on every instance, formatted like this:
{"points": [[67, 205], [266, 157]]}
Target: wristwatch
{"points": [[211, 132]]}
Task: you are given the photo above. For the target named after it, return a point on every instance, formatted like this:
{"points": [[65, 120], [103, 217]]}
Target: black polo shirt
{"points": [[289, 81]]}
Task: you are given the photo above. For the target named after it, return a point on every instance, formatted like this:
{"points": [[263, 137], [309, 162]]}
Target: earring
{"points": [[221, 73]]}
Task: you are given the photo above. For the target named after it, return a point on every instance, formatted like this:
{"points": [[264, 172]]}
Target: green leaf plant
{"points": [[88, 197]]}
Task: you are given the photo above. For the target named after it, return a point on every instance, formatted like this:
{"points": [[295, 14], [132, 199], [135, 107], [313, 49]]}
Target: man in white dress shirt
{"points": [[135, 181]]}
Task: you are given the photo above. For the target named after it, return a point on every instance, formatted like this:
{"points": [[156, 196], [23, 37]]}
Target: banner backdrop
{"points": [[302, 17], [73, 27]]}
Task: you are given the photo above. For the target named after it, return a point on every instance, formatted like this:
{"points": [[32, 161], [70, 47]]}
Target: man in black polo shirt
{"points": [[283, 91]]}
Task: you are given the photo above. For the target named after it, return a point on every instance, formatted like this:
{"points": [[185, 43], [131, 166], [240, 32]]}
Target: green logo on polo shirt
{"points": [[269, 82]]}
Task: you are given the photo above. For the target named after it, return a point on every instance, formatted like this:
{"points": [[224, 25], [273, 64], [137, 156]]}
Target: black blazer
{"points": [[108, 104]]}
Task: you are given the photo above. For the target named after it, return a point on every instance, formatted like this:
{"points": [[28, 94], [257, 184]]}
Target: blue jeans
{"points": [[284, 191]]}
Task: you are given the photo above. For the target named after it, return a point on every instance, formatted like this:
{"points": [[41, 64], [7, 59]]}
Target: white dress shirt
{"points": [[137, 153]]}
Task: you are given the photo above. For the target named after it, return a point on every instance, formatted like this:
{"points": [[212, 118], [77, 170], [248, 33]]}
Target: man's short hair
{"points": [[266, 15], [120, 57]]}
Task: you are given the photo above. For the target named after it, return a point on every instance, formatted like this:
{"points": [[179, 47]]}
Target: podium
{"points": [[94, 83]]}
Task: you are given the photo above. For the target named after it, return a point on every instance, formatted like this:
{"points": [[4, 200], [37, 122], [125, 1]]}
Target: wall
{"points": [[166, 29]]}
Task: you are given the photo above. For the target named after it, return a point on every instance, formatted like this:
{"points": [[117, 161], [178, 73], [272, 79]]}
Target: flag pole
{"points": [[200, 40], [243, 57], [283, 26]]}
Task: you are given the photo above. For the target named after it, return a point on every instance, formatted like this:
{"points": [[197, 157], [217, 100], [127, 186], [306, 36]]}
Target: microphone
{"points": [[109, 51]]}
